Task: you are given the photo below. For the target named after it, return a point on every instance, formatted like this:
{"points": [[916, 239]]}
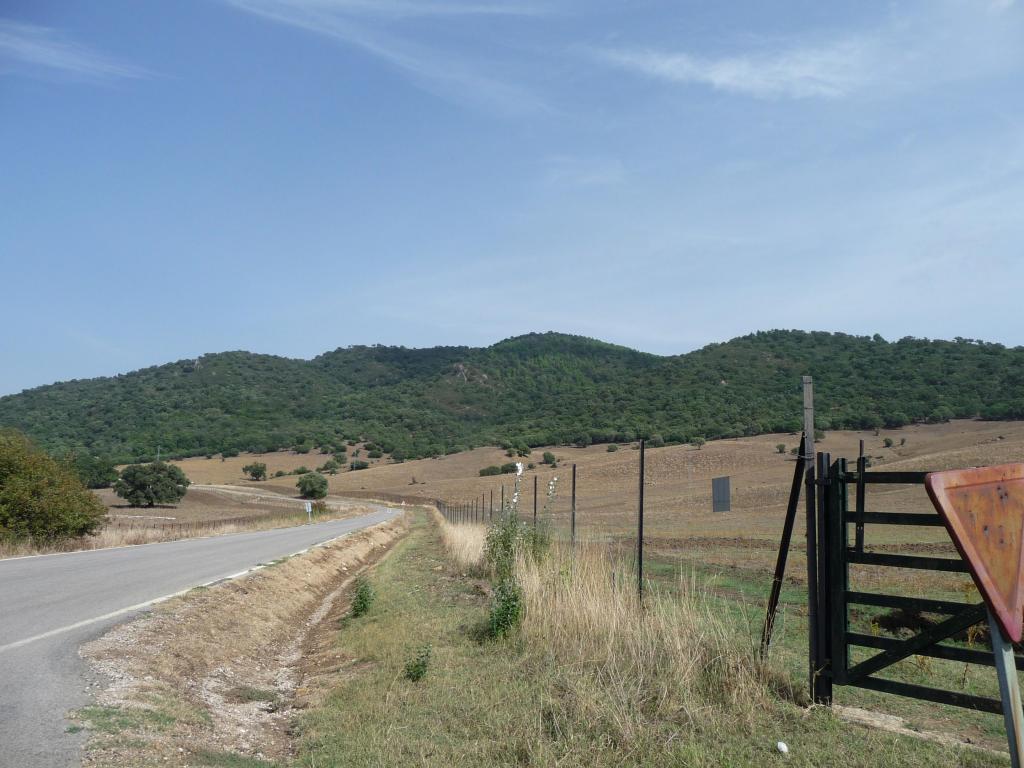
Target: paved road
{"points": [[52, 604]]}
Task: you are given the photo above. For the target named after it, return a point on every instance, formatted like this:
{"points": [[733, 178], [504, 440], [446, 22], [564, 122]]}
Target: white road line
{"points": [[163, 598]]}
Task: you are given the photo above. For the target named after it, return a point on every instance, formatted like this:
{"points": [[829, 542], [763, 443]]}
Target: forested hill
{"points": [[535, 389]]}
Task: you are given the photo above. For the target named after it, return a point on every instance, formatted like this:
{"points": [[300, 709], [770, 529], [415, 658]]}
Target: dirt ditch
{"points": [[221, 670]]}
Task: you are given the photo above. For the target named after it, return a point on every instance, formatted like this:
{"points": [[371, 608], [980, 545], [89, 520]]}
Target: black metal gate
{"points": [[830, 554]]}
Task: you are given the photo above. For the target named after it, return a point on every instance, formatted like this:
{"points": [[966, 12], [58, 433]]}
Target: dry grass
{"points": [[464, 544], [219, 666], [121, 534]]}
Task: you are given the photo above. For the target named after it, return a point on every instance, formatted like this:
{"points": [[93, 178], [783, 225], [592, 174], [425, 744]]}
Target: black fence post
{"points": [[813, 662], [490, 508], [640, 528], [823, 681], [780, 563], [572, 511]]}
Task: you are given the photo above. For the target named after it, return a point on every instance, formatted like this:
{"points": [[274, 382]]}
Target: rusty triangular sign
{"points": [[983, 509]]}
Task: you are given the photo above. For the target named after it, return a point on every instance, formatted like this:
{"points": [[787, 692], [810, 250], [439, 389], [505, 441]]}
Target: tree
{"points": [[256, 471], [312, 485], [145, 485], [655, 441], [40, 498], [698, 441], [93, 471]]}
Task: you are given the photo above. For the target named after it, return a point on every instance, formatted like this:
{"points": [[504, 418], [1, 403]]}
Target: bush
{"points": [[229, 453], [312, 485], [494, 469], [509, 469], [303, 470], [330, 466], [612, 448], [357, 465], [416, 667], [145, 485], [887, 442], [656, 441], [280, 473], [256, 470], [41, 498], [548, 458], [374, 454], [780, 447], [363, 597]]}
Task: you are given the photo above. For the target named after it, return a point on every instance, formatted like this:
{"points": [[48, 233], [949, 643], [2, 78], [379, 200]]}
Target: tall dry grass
{"points": [[671, 659], [464, 543], [623, 669]]}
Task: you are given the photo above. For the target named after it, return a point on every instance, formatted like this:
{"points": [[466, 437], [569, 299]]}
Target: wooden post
{"points": [[503, 499], [640, 528], [490, 507], [572, 511]]}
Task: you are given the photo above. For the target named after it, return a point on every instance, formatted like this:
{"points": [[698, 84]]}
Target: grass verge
{"points": [[590, 679]]}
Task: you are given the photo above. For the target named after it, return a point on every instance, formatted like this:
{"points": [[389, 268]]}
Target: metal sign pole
{"points": [[1009, 691]]}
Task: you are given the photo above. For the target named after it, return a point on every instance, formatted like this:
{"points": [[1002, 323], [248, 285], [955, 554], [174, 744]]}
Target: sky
{"points": [[292, 176]]}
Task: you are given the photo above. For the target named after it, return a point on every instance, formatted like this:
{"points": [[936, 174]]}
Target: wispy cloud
{"points": [[47, 50], [918, 45], [358, 24], [800, 73]]}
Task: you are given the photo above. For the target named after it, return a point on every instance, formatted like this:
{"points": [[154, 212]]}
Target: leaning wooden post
{"points": [[640, 529], [572, 511]]}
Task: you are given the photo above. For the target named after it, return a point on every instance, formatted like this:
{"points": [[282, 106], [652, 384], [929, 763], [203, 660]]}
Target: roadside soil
{"points": [[212, 677]]}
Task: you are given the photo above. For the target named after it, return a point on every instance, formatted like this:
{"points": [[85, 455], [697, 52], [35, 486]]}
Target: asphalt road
{"points": [[50, 605]]}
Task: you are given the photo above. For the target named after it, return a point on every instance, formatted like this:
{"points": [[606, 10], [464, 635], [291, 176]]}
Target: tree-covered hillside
{"points": [[535, 389]]}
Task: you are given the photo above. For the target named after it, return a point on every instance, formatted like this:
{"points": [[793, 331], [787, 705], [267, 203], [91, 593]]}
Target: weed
{"points": [[117, 719], [216, 759], [363, 598], [416, 667], [506, 608]]}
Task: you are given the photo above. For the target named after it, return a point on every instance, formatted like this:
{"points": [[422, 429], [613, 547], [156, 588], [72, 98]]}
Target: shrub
{"points": [[145, 485], [374, 454], [903, 441], [312, 485], [655, 441], [416, 667], [698, 441], [363, 597], [318, 508], [612, 448], [780, 447], [508, 469], [280, 473], [548, 458], [330, 466], [494, 469], [303, 470], [256, 470], [302, 448], [887, 442], [356, 465], [229, 453], [41, 498]]}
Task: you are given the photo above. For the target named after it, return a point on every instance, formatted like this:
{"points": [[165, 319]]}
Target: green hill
{"points": [[535, 389]]}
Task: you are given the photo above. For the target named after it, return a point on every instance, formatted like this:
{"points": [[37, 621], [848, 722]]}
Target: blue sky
{"points": [[290, 176]]}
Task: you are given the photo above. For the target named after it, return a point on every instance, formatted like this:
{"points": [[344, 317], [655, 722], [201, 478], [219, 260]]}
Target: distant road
{"points": [[52, 604]]}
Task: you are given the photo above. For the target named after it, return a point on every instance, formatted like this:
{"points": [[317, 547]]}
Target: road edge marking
{"points": [[163, 598]]}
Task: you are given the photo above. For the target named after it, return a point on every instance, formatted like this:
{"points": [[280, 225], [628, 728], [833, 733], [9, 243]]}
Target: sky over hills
{"points": [[289, 176]]}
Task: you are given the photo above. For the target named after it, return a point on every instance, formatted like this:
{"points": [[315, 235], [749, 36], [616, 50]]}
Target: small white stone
{"points": [[781, 746]]}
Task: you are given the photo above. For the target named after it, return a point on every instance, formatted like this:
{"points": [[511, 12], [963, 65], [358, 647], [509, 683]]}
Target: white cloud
{"points": [[799, 73], [40, 47], [916, 46]]}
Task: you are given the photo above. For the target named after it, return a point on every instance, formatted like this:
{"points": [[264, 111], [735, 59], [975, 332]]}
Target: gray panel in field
{"points": [[720, 494]]}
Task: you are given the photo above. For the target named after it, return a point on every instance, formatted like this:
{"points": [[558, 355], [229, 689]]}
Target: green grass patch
{"points": [[112, 720], [209, 758]]}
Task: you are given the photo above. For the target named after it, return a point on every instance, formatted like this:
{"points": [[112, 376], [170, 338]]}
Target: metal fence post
{"points": [[535, 502], [640, 528], [572, 511]]}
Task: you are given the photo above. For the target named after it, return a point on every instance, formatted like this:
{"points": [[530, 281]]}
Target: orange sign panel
{"points": [[983, 509]]}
